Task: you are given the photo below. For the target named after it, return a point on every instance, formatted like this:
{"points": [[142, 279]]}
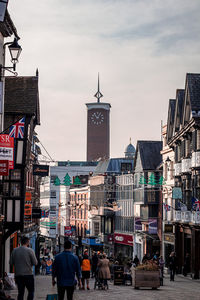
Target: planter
{"points": [[142, 278]]}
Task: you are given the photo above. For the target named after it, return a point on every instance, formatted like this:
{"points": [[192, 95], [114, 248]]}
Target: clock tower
{"points": [[98, 128]]}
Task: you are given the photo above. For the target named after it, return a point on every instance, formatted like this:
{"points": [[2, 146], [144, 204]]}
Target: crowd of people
{"points": [[69, 270]]}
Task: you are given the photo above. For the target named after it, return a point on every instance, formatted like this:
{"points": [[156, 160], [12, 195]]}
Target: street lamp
{"points": [[15, 50]]}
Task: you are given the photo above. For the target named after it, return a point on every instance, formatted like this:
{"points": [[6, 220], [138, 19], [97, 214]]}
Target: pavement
{"points": [[182, 288]]}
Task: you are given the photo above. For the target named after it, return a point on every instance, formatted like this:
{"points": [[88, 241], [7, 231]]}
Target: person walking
{"points": [[23, 258], [161, 266], [136, 261], [172, 265], [104, 271], [65, 267], [43, 265], [85, 267], [94, 264]]}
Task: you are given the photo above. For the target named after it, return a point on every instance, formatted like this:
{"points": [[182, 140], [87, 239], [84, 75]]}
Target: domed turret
{"points": [[130, 151]]}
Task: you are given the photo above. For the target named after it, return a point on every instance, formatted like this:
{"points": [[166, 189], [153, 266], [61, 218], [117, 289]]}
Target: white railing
{"points": [[195, 161], [186, 216], [177, 168], [186, 165], [196, 217], [177, 215]]}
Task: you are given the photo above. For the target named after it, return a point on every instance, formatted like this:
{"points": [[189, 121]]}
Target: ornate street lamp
{"points": [[15, 50]]}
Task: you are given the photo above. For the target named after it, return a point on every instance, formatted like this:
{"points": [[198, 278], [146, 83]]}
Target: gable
{"points": [[178, 116], [170, 121]]}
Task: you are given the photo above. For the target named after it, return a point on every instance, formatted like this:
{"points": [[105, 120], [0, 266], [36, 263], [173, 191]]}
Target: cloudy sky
{"points": [[141, 48]]}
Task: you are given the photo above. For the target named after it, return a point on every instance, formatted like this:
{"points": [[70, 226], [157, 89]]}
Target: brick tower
{"points": [[98, 128]]}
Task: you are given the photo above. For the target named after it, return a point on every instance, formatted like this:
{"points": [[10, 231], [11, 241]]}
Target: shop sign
{"points": [[41, 170], [68, 230], [28, 210], [123, 239], [4, 168], [138, 224], [169, 238], [110, 238], [153, 226], [7, 149], [28, 197], [36, 213], [176, 193], [169, 228]]}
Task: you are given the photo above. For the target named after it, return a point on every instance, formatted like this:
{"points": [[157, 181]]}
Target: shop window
{"points": [[15, 174], [96, 228]]}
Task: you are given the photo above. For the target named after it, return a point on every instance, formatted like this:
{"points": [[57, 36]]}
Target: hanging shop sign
{"points": [[36, 213], [177, 193], [4, 167], [41, 170], [28, 197], [68, 230], [28, 210], [123, 239], [153, 226], [7, 149]]}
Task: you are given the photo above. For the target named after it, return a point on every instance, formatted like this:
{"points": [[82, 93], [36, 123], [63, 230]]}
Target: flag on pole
{"points": [[182, 206], [195, 204], [17, 129], [167, 207]]}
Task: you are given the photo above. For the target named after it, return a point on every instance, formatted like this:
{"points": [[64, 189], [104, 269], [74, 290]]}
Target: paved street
{"points": [[182, 288]]}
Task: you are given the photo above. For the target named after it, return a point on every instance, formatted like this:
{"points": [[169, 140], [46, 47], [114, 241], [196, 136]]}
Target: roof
{"points": [[77, 163], [193, 84], [150, 154], [112, 165], [7, 27], [130, 149], [22, 96]]}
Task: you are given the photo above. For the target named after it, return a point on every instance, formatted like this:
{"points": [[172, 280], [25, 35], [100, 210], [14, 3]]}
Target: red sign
{"points": [[68, 230], [123, 239], [28, 197], [7, 149], [4, 168]]}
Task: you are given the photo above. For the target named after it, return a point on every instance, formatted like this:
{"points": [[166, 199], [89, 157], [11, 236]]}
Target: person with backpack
{"points": [[85, 268]]}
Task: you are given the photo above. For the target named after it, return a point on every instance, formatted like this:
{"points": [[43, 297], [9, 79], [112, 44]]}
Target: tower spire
{"points": [[98, 94]]}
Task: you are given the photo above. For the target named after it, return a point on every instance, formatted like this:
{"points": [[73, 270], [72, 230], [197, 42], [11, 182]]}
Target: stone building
{"points": [[183, 136]]}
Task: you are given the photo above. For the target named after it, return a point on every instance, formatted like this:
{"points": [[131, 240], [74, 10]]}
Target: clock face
{"points": [[97, 118]]}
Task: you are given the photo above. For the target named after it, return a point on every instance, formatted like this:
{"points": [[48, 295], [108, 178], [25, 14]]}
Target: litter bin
{"points": [[118, 274]]}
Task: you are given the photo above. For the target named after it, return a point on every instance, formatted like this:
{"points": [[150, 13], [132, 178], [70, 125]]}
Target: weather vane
{"points": [[98, 94]]}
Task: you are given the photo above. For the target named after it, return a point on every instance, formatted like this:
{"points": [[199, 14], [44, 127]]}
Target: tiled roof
{"points": [[193, 84], [150, 154], [7, 27], [22, 96], [112, 165]]}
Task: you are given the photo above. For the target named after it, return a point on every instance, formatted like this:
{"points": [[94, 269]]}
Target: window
{"points": [[15, 174], [53, 194], [125, 167], [53, 177], [96, 228], [15, 189]]}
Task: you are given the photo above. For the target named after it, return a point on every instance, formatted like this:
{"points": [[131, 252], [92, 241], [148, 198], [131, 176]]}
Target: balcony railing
{"points": [[186, 216], [195, 161], [196, 217], [186, 165], [177, 215], [177, 168]]}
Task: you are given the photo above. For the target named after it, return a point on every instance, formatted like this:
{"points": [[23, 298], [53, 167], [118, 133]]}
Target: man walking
{"points": [[23, 258], [65, 267]]}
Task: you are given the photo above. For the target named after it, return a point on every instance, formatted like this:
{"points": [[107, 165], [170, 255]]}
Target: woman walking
{"points": [[85, 267], [104, 271]]}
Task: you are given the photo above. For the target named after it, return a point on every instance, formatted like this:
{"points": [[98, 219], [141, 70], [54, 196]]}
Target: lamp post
{"points": [[15, 50]]}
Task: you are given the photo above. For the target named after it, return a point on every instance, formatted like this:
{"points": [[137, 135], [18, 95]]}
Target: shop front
{"points": [[168, 242], [92, 244], [123, 245]]}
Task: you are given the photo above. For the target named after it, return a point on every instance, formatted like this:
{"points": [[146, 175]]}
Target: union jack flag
{"points": [[195, 204], [17, 130]]}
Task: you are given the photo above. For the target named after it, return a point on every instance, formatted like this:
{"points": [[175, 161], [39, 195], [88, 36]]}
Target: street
{"points": [[181, 288]]}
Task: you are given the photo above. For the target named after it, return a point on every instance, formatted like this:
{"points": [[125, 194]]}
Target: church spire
{"points": [[98, 94]]}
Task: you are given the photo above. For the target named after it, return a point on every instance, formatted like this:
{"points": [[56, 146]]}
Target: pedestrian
{"points": [[104, 271], [145, 258], [172, 265], [186, 268], [94, 264], [136, 261], [23, 258], [161, 265], [85, 268], [43, 265], [65, 267]]}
